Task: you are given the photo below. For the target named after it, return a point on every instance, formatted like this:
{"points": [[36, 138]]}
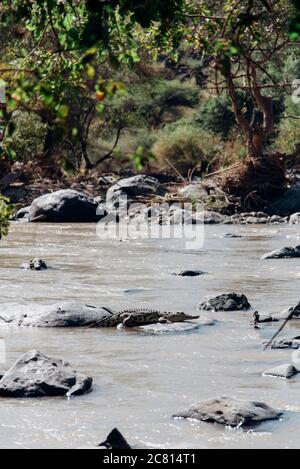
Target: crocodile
{"points": [[141, 317]]}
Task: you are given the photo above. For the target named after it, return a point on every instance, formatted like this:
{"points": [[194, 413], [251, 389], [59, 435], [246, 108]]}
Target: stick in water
{"points": [[290, 316]]}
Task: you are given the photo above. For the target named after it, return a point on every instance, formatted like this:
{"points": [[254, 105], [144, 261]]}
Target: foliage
{"points": [[185, 148], [6, 210]]}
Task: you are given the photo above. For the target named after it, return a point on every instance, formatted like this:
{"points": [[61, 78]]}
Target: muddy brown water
{"points": [[141, 379]]}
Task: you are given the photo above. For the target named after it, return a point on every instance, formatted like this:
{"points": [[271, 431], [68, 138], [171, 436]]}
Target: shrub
{"points": [[185, 147], [288, 138], [29, 136], [216, 115], [144, 104]]}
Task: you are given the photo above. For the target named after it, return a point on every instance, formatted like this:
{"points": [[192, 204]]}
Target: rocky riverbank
{"points": [[146, 198]]}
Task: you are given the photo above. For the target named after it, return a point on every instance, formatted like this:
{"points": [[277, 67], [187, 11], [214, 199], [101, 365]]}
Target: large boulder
{"points": [[133, 187], [283, 253], [225, 302], [59, 315], [286, 204], [64, 206], [36, 375], [232, 412]]}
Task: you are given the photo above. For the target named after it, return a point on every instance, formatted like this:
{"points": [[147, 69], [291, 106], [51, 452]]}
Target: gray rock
{"points": [[36, 375], [133, 187], [23, 213], [196, 190], [283, 371], [225, 302], [256, 221], [59, 315], [283, 253], [207, 217], [232, 412], [286, 204], [295, 218], [287, 312], [64, 206], [276, 219]]}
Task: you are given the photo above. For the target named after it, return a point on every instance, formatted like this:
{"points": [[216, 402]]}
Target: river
{"points": [[141, 379]]}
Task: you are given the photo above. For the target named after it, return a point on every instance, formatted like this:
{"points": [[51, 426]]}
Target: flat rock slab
{"points": [[176, 327], [286, 371], [232, 412], [58, 315], [64, 206], [225, 302], [36, 375], [283, 253]]}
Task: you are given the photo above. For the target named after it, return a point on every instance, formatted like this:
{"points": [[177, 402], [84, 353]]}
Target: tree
{"points": [[69, 40]]}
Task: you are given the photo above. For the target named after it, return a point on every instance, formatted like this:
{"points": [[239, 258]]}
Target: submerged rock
{"points": [[232, 235], [286, 371], [283, 253], [34, 264], [189, 273], [232, 412], [284, 343], [115, 440], [58, 315], [64, 206], [36, 375], [225, 302]]}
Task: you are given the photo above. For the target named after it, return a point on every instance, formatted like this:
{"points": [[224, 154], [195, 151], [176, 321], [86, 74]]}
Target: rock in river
{"points": [[34, 264], [284, 343], [64, 206], [189, 273], [36, 375], [283, 253], [232, 412], [115, 440], [286, 371], [58, 315], [225, 302]]}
